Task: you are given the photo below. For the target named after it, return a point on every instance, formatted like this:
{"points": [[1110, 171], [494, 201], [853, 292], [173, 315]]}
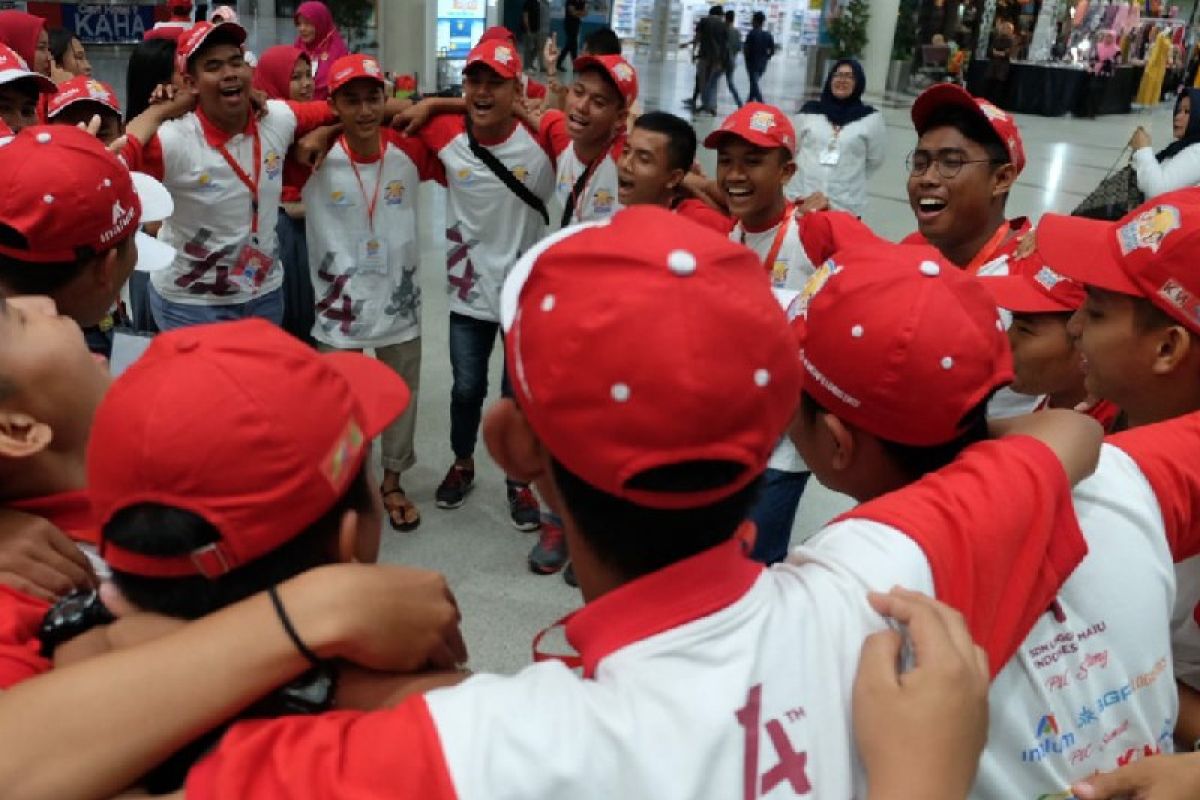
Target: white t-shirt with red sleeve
{"points": [[488, 227], [363, 252], [223, 257], [711, 678], [597, 197]]}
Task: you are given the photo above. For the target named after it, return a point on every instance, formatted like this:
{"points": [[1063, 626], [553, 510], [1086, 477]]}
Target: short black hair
{"points": [[602, 42], [151, 63], [681, 137], [60, 43], [715, 10], [637, 540], [157, 530], [973, 127], [758, 19], [19, 276], [730, 16], [916, 461]]}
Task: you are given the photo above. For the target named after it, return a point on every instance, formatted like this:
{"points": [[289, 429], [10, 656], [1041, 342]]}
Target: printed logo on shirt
{"points": [[273, 164], [1048, 740], [393, 193], [520, 173], [339, 199], [779, 272], [603, 201], [1174, 293], [1148, 229], [792, 765], [465, 176], [206, 183]]}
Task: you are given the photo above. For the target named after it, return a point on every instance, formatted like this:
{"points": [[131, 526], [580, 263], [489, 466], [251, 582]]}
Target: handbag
{"points": [[1114, 197]]}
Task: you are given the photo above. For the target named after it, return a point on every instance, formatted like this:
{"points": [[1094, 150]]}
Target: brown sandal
{"points": [[402, 514]]}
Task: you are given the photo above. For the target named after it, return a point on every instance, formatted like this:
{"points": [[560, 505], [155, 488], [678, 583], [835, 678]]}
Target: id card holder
{"points": [[779, 274], [831, 155], [372, 256], [252, 267]]}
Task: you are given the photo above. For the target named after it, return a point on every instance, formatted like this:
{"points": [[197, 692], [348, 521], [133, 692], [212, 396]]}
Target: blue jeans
{"points": [[712, 77], [168, 315], [471, 342], [755, 94], [299, 301], [139, 303], [775, 513]]}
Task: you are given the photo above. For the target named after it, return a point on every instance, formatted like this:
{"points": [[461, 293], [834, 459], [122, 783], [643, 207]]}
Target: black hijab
{"points": [[1191, 135], [841, 112]]}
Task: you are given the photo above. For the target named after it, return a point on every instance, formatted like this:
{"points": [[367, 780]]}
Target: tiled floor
{"points": [[484, 557]]}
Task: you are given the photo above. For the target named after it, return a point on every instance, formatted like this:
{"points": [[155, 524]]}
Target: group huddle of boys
{"points": [[662, 357]]}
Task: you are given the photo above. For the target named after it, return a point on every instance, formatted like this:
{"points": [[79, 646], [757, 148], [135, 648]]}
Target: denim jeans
{"points": [[299, 302], [712, 72], [775, 512], [755, 94], [139, 303], [471, 342], [168, 315]]}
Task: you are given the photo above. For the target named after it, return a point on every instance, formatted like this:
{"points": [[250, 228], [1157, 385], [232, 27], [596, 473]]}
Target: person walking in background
{"points": [[842, 141], [573, 14], [732, 48], [318, 37], [757, 51], [709, 46], [532, 40]]}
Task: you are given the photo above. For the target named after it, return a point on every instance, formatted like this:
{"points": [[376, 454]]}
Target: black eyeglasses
{"points": [[949, 162]]}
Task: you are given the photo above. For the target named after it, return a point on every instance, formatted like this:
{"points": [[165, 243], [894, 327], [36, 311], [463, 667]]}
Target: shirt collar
{"points": [[215, 136], [70, 512], [676, 595]]}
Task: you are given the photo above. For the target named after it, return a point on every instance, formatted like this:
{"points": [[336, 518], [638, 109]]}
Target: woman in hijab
{"points": [[1107, 51], [1177, 166], [285, 73], [28, 37], [319, 39], [841, 141]]}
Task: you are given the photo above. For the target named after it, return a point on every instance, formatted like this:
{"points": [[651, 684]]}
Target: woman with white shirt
{"points": [[1178, 165], [841, 141]]}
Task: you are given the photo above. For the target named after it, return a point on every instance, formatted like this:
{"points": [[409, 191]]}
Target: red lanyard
{"points": [[988, 251], [374, 201], [244, 177], [773, 253]]}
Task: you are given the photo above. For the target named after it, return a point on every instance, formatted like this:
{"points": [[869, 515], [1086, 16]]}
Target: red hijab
{"points": [[273, 74], [327, 46], [20, 31]]}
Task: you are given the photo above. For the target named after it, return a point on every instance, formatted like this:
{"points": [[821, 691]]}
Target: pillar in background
{"points": [[407, 38], [877, 56]]}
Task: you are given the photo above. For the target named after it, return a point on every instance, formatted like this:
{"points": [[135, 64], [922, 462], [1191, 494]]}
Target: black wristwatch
{"points": [[77, 613]]}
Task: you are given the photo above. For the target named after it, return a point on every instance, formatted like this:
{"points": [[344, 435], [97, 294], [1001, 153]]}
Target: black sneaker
{"points": [[550, 552], [523, 508], [569, 575], [454, 487]]}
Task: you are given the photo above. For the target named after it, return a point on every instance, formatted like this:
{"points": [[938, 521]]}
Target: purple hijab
{"points": [[326, 48]]}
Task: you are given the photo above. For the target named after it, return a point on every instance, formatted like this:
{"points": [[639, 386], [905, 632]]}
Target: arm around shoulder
{"points": [[1074, 438]]}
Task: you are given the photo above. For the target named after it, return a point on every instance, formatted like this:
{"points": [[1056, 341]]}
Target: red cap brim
{"points": [[382, 394], [1084, 250], [1018, 294]]}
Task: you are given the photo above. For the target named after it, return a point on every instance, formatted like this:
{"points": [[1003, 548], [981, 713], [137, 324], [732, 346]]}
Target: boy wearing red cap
{"points": [[179, 20], [654, 482], [499, 179], [901, 353], [1046, 362], [82, 98], [364, 254], [224, 168], [21, 90]]}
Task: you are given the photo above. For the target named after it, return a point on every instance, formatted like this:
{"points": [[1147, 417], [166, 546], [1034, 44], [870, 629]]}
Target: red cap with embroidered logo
{"points": [[354, 67], [194, 38], [618, 69], [14, 68], [1033, 286], [1150, 253], [498, 55], [242, 425], [900, 343], [759, 124], [949, 94], [83, 89], [647, 341]]}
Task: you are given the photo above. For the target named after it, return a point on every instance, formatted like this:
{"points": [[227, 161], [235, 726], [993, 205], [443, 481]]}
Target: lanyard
{"points": [[374, 201], [251, 183], [989, 250], [769, 262]]}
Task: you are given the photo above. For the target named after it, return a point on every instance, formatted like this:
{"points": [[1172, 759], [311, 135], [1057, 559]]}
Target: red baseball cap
{"points": [[646, 341], [241, 424], [64, 192], [498, 55], [14, 68], [618, 69], [354, 67], [83, 89], [1149, 253], [900, 343], [759, 124], [498, 33], [191, 40], [1000, 121], [1034, 287]]}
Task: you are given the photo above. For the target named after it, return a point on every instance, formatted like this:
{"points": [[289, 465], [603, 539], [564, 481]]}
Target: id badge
{"points": [[252, 267], [372, 256], [830, 156], [779, 274]]}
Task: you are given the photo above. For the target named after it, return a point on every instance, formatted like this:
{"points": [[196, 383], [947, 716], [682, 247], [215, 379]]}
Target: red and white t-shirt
{"points": [[597, 197], [225, 253], [711, 678], [363, 251], [488, 228], [702, 213]]}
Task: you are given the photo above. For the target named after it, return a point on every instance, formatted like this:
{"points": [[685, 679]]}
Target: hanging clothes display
{"points": [[1150, 90]]}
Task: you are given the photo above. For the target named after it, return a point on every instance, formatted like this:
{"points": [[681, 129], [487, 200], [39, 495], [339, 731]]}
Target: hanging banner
{"points": [[107, 24]]}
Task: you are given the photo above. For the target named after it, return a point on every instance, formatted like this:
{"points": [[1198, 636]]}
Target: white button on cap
{"points": [[681, 262], [43, 138], [930, 269], [620, 392], [761, 378], [107, 183], [48, 199], [947, 362], [857, 331], [548, 303]]}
